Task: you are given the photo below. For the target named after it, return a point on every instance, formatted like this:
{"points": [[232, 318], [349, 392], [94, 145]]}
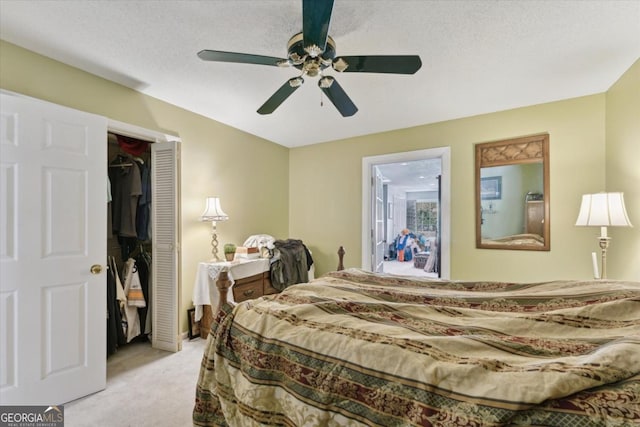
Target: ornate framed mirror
{"points": [[512, 194]]}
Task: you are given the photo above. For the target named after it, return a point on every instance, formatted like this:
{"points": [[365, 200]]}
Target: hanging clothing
{"points": [[126, 188], [130, 311], [290, 263], [109, 210], [133, 288], [149, 297], [127, 246], [132, 146], [112, 309], [129, 221], [142, 259], [115, 305], [143, 212]]}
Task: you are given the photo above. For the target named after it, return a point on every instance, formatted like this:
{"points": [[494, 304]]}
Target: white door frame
{"points": [[377, 213], [444, 153], [126, 129]]}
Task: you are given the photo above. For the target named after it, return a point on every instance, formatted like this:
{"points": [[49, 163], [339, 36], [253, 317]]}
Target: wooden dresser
{"points": [[534, 217], [252, 279], [253, 287]]}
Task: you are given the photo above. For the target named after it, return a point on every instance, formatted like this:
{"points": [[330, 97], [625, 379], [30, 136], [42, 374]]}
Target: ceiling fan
{"points": [[312, 51]]}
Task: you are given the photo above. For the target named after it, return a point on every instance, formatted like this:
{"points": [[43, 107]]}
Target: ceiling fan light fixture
{"points": [[313, 50], [296, 59], [324, 62], [340, 65], [312, 67], [326, 82], [296, 82]]}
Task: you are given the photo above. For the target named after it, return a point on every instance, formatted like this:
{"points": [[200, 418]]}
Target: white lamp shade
{"points": [[603, 210], [213, 211]]}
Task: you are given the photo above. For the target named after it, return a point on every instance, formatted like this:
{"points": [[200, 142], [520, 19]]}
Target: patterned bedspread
{"points": [[516, 240], [357, 349]]}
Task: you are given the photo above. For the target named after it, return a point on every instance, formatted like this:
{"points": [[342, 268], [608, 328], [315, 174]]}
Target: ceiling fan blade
{"points": [[338, 96], [281, 94], [316, 16], [394, 64], [241, 58]]}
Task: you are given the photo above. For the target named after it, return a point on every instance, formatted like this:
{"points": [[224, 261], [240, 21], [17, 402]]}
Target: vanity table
{"points": [[250, 279]]}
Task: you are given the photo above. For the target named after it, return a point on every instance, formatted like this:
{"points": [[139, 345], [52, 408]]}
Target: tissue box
{"points": [[246, 250]]}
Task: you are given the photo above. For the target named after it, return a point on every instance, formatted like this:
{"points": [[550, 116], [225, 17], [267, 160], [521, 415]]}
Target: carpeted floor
{"points": [[145, 387], [155, 388], [405, 269]]}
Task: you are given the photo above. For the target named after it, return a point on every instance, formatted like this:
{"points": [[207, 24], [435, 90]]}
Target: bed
{"points": [[527, 239], [353, 348]]}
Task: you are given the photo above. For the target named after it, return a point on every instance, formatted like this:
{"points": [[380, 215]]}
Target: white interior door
{"points": [[399, 214], [378, 221], [53, 217]]}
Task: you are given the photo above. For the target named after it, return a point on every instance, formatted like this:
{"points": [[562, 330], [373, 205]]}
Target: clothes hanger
{"points": [[120, 165], [121, 160]]}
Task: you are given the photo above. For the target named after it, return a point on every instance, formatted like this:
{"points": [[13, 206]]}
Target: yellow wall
{"points": [[326, 194], [214, 156], [623, 171], [323, 203]]}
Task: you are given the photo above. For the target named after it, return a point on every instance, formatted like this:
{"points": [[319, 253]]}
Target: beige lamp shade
{"points": [[213, 211], [603, 210]]}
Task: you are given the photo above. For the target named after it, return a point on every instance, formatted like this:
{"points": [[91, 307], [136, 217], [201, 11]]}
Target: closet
{"points": [[54, 241], [142, 238], [129, 249]]}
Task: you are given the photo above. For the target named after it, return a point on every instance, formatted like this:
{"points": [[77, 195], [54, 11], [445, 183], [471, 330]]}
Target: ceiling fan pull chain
{"points": [[321, 100]]}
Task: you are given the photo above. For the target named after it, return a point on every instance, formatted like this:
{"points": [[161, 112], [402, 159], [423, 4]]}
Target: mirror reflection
{"points": [[512, 204]]}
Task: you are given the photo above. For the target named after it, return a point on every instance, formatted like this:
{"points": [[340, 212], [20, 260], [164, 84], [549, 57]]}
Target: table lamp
{"points": [[603, 210], [214, 213]]}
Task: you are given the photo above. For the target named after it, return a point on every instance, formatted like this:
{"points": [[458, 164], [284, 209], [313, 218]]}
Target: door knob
{"points": [[96, 269]]}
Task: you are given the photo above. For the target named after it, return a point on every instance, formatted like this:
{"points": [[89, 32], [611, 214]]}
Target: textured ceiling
{"points": [[416, 175], [478, 56]]}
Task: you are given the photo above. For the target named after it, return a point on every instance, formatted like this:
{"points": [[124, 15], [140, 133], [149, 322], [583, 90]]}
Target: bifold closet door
{"points": [[164, 223]]}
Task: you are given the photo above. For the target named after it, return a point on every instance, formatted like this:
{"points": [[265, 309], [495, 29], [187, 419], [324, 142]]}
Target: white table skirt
{"points": [[205, 291]]}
